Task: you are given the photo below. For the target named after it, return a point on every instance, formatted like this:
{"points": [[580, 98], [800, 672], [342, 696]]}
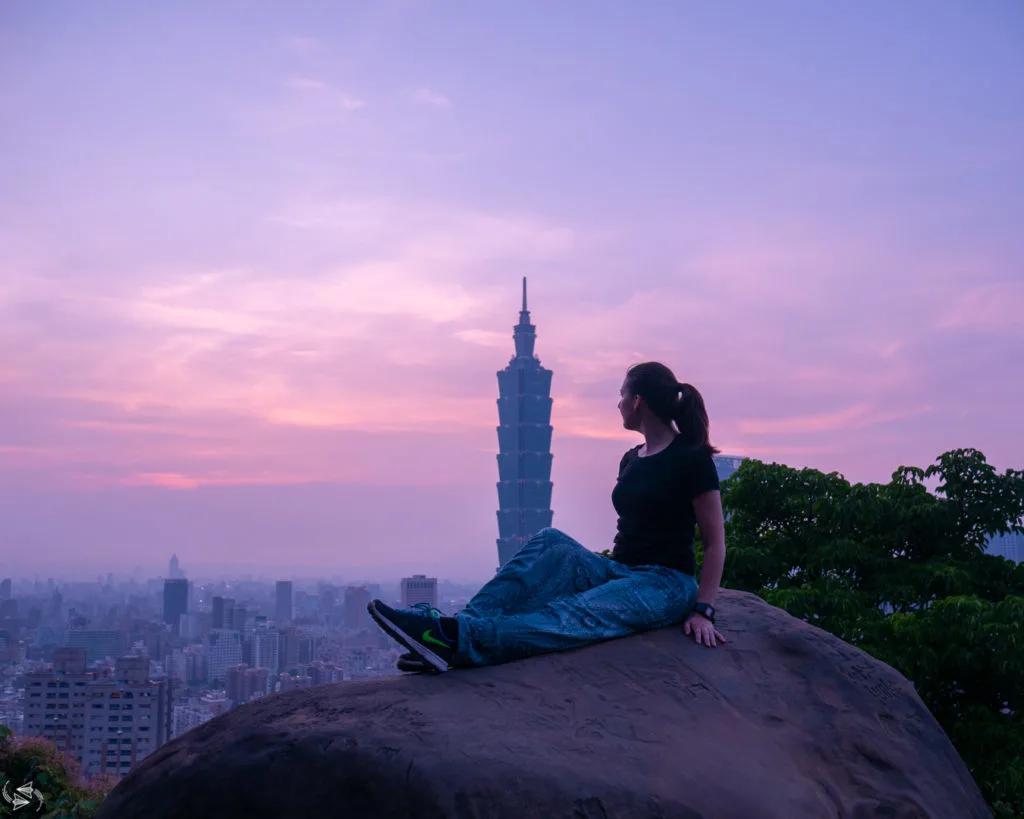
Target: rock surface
{"points": [[784, 721]]}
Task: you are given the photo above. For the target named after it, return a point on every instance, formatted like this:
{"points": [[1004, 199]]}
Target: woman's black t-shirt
{"points": [[654, 500]]}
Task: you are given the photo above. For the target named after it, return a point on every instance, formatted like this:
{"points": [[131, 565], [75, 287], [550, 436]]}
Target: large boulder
{"points": [[784, 721]]}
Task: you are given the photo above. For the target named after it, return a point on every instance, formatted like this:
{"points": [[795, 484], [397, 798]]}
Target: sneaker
{"points": [[413, 664], [425, 632]]}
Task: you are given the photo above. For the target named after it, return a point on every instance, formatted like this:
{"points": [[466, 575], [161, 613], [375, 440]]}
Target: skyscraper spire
{"points": [[525, 333], [524, 443]]}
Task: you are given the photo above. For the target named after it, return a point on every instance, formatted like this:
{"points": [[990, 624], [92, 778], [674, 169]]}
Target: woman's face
{"points": [[628, 408]]}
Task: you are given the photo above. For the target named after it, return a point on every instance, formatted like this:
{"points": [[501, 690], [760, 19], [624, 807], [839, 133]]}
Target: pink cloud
{"points": [[167, 480], [853, 417]]}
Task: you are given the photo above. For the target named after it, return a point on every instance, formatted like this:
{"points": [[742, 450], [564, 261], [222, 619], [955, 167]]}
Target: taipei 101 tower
{"points": [[524, 443]]}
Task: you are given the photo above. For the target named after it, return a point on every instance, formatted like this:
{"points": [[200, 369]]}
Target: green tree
{"points": [[66, 793], [901, 572]]}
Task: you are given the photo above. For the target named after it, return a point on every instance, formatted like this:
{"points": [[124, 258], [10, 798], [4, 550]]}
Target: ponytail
{"points": [[691, 418]]}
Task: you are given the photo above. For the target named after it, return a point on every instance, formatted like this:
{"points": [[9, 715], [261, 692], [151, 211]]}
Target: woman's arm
{"points": [[708, 508]]}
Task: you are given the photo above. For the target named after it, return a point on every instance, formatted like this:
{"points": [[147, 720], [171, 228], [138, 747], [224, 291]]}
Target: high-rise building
{"points": [[98, 643], [234, 683], [1010, 546], [286, 682], [239, 618], [215, 703], [175, 601], [56, 605], [419, 589], [242, 683], [263, 647], [5, 589], [524, 443], [9, 609], [195, 665], [288, 649], [257, 682], [176, 665], [307, 648], [357, 598], [188, 716], [726, 465], [328, 604], [223, 650], [174, 569], [107, 723], [189, 628], [219, 604], [283, 609], [228, 615], [321, 673]]}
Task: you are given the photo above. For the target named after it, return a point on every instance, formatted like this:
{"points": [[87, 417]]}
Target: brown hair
{"points": [[672, 401]]}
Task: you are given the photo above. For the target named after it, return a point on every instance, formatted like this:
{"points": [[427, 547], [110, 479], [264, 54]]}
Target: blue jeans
{"points": [[556, 594]]}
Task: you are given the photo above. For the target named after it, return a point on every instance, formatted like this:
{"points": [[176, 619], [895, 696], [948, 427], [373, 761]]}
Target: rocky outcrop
{"points": [[784, 721]]}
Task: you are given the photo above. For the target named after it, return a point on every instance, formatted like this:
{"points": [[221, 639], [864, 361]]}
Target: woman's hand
{"points": [[703, 631]]}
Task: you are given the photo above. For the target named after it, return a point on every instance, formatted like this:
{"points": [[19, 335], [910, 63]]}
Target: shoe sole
{"points": [[413, 645], [417, 668], [412, 664]]}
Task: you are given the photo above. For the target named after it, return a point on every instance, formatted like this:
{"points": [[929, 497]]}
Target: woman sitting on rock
{"points": [[556, 595]]}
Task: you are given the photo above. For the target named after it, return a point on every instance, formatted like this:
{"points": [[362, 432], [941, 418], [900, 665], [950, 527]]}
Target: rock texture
{"points": [[783, 722]]}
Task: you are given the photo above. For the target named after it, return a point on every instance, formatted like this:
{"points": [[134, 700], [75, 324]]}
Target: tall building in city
{"points": [[328, 604], [187, 716], [174, 569], [288, 648], [524, 443], [262, 648], [224, 612], [307, 648], [215, 703], [322, 673], [107, 723], [175, 601], [419, 589], [56, 605], [195, 665], [228, 615], [98, 643], [288, 683], [5, 589], [9, 609], [1010, 546], [357, 598], [223, 650], [239, 619], [242, 683], [283, 609], [726, 465]]}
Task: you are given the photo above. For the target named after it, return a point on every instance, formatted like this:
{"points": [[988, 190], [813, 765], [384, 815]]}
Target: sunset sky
{"points": [[259, 262]]}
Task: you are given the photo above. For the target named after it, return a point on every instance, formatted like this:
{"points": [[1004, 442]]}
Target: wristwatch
{"points": [[705, 610]]}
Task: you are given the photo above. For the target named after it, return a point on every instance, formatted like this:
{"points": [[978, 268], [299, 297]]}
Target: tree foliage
{"points": [[66, 793], [900, 571]]}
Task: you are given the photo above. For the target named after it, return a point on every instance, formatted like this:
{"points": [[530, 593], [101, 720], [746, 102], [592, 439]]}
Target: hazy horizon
{"points": [[258, 270]]}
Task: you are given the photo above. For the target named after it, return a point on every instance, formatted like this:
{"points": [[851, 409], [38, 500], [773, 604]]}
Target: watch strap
{"points": [[705, 610]]}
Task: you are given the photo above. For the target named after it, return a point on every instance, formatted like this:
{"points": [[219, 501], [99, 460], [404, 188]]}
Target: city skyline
{"points": [[254, 288]]}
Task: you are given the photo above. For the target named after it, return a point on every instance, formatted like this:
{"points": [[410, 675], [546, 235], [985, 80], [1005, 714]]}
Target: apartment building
{"points": [[108, 722]]}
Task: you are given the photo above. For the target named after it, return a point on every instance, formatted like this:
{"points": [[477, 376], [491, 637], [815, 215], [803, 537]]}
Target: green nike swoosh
{"points": [[428, 637]]}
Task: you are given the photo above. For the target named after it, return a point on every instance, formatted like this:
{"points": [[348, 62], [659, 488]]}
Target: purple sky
{"points": [[259, 262]]}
